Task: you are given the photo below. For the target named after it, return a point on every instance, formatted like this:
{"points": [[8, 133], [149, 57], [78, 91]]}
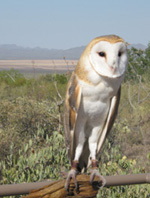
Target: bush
{"points": [[114, 163], [138, 64], [31, 164], [22, 118], [12, 78]]}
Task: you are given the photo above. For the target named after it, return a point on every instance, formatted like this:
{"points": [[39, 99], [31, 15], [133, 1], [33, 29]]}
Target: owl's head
{"points": [[106, 55]]}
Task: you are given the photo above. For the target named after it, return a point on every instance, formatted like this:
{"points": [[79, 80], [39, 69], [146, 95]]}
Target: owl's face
{"points": [[109, 59]]}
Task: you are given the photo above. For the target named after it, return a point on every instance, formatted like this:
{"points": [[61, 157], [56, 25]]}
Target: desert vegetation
{"points": [[32, 144]]}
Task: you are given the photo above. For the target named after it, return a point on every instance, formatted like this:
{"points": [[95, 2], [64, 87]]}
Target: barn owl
{"points": [[91, 102]]}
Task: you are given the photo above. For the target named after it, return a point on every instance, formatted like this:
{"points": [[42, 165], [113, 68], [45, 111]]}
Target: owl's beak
{"points": [[113, 69], [113, 65]]}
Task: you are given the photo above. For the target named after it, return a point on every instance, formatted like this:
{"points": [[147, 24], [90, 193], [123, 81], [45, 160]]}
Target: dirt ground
{"points": [[59, 66]]}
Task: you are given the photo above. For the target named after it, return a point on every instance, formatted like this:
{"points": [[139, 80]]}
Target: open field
{"points": [[32, 146], [38, 66]]}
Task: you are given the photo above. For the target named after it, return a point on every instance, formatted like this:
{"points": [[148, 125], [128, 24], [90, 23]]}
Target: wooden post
{"points": [[57, 190]]}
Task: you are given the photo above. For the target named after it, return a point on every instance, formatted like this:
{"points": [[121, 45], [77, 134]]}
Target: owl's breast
{"points": [[94, 108], [96, 100]]}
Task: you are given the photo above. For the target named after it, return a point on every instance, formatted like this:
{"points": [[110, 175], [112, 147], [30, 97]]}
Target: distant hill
{"points": [[14, 52]]}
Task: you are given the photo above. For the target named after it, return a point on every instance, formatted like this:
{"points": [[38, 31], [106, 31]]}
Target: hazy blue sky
{"points": [[65, 24]]}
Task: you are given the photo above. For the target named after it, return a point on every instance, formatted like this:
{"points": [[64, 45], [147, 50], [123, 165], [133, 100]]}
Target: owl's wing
{"points": [[71, 107], [109, 120]]}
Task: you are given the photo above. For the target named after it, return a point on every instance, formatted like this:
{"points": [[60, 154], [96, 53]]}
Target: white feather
{"points": [[112, 65]]}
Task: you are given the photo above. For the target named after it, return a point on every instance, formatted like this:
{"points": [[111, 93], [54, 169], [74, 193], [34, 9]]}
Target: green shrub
{"points": [[113, 163], [33, 164], [62, 79], [139, 64], [12, 78], [22, 118]]}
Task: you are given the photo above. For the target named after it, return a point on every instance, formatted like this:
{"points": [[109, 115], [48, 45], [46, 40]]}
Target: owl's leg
{"points": [[72, 175], [95, 172], [80, 139], [92, 147]]}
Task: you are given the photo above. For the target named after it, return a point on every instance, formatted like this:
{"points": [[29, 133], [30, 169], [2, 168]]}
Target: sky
{"points": [[64, 24]]}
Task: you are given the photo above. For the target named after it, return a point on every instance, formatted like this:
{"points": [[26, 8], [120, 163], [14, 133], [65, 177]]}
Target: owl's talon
{"points": [[71, 175], [94, 173]]}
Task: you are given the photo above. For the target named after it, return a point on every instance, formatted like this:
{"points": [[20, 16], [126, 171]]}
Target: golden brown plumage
{"points": [[71, 106]]}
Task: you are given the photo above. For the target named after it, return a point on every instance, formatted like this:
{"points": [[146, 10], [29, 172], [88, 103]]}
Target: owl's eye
{"points": [[119, 54], [102, 54]]}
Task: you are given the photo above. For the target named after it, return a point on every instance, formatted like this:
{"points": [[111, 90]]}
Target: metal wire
{"points": [[118, 180]]}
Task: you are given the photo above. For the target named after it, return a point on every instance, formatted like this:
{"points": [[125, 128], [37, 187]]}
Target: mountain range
{"points": [[14, 52]]}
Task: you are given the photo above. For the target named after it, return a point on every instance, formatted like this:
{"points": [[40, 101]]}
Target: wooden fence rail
{"points": [[56, 188]]}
